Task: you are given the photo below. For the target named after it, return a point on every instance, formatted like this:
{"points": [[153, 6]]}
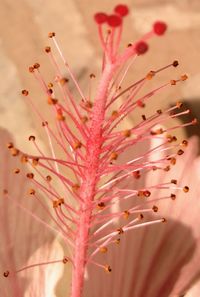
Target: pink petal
{"points": [[159, 260], [20, 234]]}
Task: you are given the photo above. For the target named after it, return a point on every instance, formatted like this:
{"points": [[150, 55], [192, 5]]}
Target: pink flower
{"points": [[94, 191]]}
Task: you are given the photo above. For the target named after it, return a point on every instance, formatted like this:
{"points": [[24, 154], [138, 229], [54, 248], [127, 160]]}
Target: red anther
{"points": [[141, 47], [100, 18], [121, 9], [114, 20], [159, 28]]}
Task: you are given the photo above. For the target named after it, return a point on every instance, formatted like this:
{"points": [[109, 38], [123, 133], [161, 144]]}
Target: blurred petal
{"points": [[20, 234], [194, 291], [160, 260], [44, 278]]}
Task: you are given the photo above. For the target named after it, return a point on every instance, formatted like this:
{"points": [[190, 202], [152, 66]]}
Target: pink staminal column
{"points": [[88, 187]]}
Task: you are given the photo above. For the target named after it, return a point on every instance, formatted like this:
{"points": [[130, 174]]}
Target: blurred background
{"points": [[23, 34]]}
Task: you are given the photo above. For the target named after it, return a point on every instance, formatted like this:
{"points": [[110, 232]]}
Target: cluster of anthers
{"points": [[86, 131]]}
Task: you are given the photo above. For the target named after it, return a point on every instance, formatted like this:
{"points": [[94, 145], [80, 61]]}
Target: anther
{"points": [[144, 117], [117, 241], [164, 220], [65, 260], [14, 152], [47, 49], [30, 175], [103, 249], [51, 34], [92, 75], [60, 201], [179, 104], [84, 119], [48, 178], [31, 69], [17, 170], [36, 65], [159, 131], [126, 133], [159, 111], [173, 82], [55, 203], [60, 116], [115, 114], [10, 145], [63, 81], [155, 208], [88, 104], [35, 161], [120, 231], [174, 181], [113, 156], [150, 75], [140, 194], [180, 152], [77, 145], [146, 193], [5, 191], [101, 205], [137, 174], [140, 216], [173, 161], [44, 124], [107, 268], [31, 192], [169, 138], [186, 189], [174, 138], [184, 77], [175, 63], [52, 101], [126, 214], [50, 85], [6, 273], [24, 92], [184, 143], [24, 159], [167, 168], [31, 138], [173, 196], [75, 187], [141, 104]]}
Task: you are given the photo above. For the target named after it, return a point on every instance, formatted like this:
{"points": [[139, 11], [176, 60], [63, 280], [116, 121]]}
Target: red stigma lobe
{"points": [[159, 28], [100, 18], [141, 47], [121, 9], [114, 20]]}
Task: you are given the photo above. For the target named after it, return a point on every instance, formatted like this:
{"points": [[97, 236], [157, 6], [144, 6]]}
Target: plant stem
{"points": [[89, 183]]}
